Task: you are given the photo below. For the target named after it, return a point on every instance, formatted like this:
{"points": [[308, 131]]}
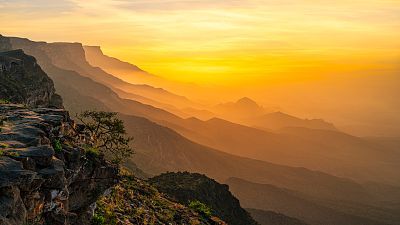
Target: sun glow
{"points": [[226, 42]]}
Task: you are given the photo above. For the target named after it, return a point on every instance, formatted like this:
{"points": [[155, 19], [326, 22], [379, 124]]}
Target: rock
{"points": [[39, 184], [23, 81], [12, 208], [5, 44], [12, 173], [185, 187]]}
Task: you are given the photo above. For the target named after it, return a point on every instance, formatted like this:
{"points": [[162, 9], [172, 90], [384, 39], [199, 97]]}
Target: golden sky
{"points": [[335, 59], [229, 42]]}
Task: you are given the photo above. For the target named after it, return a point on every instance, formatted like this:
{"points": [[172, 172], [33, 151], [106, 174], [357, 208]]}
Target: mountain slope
{"points": [[133, 201], [95, 56], [294, 204], [160, 149], [71, 56], [239, 110], [232, 138], [279, 120], [187, 187], [69, 82], [273, 218], [322, 153]]}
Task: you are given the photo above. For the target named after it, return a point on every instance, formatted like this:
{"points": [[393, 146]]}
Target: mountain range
{"points": [[325, 172]]}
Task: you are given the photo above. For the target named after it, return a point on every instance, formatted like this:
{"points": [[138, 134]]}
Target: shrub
{"points": [[91, 151], [4, 101], [200, 208], [57, 145], [98, 219], [107, 134], [2, 120]]}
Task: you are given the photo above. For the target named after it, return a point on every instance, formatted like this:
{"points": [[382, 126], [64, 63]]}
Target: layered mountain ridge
{"points": [[166, 142]]}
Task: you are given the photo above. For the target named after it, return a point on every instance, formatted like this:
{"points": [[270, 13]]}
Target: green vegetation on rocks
{"points": [[204, 195], [200, 208], [133, 201]]}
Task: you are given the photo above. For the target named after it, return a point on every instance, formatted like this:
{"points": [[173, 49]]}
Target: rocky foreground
{"points": [[45, 176]]}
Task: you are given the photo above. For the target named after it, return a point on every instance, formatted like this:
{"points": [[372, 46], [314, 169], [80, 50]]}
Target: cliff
{"points": [[23, 81], [45, 176], [186, 187]]}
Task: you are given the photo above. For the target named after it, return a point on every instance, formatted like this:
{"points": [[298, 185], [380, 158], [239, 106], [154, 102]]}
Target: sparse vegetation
{"points": [[3, 145], [2, 120], [201, 208], [4, 101], [57, 145], [91, 151], [133, 201], [107, 135], [98, 219]]}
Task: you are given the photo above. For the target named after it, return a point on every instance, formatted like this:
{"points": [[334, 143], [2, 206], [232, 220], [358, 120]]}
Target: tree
{"points": [[107, 134]]}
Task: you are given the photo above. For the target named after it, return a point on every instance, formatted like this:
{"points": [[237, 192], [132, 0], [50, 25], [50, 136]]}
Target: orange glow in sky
{"points": [[339, 60], [214, 42]]}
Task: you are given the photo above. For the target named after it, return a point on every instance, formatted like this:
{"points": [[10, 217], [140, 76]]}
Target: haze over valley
{"points": [[289, 109]]}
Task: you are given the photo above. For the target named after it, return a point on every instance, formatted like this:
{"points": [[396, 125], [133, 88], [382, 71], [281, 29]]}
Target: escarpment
{"points": [[23, 81], [45, 175]]}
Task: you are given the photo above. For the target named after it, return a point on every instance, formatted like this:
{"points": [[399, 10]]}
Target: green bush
{"points": [[57, 145], [2, 120], [98, 219], [92, 151], [4, 101], [200, 208]]}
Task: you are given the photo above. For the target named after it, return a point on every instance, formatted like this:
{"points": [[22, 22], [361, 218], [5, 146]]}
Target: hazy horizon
{"points": [[334, 60], [200, 112]]}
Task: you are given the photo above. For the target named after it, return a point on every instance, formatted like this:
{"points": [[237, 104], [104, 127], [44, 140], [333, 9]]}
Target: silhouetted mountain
{"points": [[187, 187], [220, 134], [132, 74], [239, 110], [294, 204], [94, 55], [329, 151], [71, 56], [160, 149], [279, 120], [168, 107], [272, 218], [68, 82]]}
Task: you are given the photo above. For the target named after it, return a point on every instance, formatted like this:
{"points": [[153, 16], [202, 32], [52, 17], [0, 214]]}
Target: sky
{"points": [[307, 55], [230, 41]]}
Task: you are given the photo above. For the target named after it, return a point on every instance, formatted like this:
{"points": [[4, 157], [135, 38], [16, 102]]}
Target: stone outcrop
{"points": [[23, 81], [185, 187], [45, 175], [5, 44], [134, 201]]}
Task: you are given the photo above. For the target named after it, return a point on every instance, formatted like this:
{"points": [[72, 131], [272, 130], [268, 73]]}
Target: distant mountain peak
{"points": [[247, 101]]}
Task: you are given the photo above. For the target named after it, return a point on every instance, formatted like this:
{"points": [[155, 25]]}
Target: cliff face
{"points": [[5, 44], [23, 81], [42, 184], [187, 187]]}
